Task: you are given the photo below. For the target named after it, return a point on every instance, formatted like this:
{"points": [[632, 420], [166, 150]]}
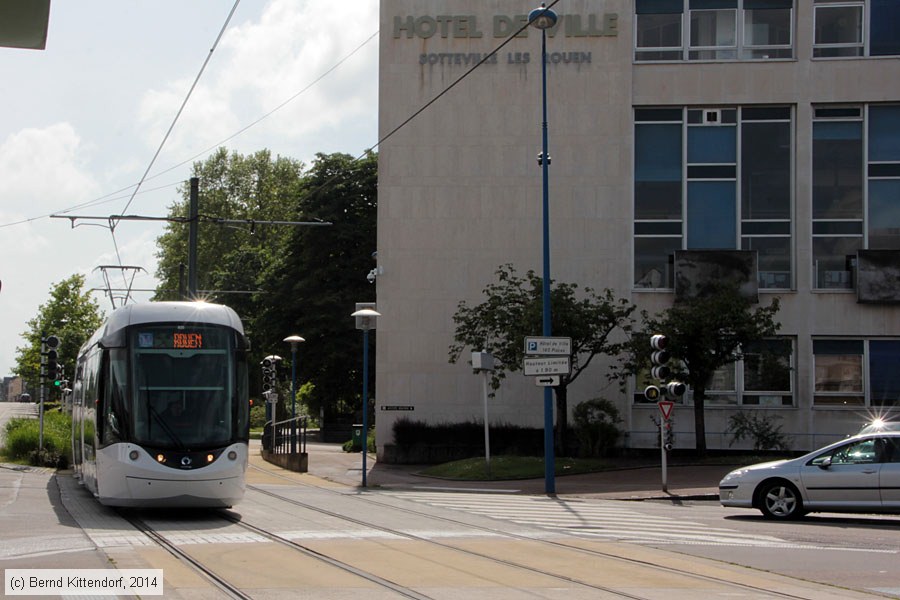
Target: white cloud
{"points": [[260, 65], [42, 170]]}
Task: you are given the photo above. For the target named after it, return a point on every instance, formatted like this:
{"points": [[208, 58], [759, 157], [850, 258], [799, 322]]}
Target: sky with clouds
{"points": [[82, 119]]}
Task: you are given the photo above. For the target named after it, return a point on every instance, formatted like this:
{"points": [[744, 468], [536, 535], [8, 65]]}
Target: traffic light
{"points": [[659, 357], [50, 345], [652, 393], [675, 390], [269, 370]]}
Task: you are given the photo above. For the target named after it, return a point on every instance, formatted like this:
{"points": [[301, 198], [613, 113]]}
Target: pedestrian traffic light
{"points": [[659, 357], [652, 393]]}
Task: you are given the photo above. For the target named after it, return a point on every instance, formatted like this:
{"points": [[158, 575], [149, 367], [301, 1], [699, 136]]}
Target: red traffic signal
{"points": [[658, 341]]}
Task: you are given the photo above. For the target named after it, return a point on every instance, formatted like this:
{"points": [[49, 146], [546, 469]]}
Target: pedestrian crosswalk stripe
{"points": [[590, 520]]}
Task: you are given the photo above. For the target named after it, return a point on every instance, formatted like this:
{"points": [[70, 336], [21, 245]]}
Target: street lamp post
{"points": [[294, 340], [543, 18], [365, 320]]}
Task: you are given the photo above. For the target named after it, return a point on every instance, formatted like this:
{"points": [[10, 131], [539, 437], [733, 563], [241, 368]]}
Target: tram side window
{"points": [[116, 415]]}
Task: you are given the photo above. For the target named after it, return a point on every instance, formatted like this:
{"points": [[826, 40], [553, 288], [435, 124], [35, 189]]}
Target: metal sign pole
{"points": [[662, 449]]}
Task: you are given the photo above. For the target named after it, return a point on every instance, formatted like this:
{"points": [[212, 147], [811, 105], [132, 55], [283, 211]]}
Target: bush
{"points": [[257, 416], [760, 428], [23, 435], [595, 423]]}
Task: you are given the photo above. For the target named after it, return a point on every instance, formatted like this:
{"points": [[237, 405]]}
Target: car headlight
{"points": [[736, 474]]}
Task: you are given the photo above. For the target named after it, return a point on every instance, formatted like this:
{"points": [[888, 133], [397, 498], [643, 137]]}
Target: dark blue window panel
{"points": [[884, 170], [774, 113], [837, 347], [765, 228], [657, 114], [884, 133], [884, 213], [711, 4], [764, 4], [658, 228], [712, 172], [657, 152], [711, 215], [837, 131], [837, 228], [884, 376], [712, 144], [843, 111], [659, 7], [884, 39], [657, 171]]}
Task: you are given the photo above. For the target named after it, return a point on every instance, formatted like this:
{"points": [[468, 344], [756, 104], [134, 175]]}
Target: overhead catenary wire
{"points": [[328, 182], [183, 104], [113, 196]]}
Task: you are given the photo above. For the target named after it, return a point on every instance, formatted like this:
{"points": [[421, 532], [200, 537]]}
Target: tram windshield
{"points": [[183, 383]]}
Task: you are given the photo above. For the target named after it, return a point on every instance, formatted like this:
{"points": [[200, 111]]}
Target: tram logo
{"points": [[185, 461]]}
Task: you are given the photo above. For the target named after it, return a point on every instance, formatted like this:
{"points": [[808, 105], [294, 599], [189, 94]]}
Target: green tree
{"points": [[513, 310], [72, 315], [705, 334], [311, 286], [230, 258]]}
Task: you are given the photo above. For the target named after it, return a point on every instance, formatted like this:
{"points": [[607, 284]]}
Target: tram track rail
{"points": [[208, 574], [369, 498], [233, 591]]}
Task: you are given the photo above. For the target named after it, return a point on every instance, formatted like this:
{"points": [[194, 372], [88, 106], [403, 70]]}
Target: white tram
{"points": [[161, 407]]}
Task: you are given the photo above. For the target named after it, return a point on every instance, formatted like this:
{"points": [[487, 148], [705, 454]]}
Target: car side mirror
{"points": [[826, 462]]}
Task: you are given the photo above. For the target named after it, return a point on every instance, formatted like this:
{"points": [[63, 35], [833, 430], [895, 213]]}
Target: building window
{"points": [[715, 29], [762, 377], [842, 28], [856, 181], [841, 377], [728, 186]]}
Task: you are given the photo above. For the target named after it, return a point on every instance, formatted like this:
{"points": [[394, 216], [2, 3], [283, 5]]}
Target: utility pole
{"points": [[192, 238]]}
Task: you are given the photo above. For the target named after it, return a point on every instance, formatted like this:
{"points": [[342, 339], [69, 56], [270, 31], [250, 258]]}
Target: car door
{"points": [[844, 478], [890, 475]]}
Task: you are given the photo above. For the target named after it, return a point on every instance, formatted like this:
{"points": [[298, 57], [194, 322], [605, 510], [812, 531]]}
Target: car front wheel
{"points": [[780, 500]]}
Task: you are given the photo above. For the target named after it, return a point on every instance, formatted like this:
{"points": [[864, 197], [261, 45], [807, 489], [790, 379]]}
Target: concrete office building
{"points": [[681, 132]]}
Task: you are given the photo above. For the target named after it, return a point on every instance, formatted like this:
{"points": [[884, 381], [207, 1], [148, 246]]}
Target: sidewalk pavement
{"points": [[631, 482]]}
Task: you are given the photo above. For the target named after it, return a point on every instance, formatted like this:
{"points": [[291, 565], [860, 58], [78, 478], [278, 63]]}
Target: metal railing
{"points": [[286, 437]]}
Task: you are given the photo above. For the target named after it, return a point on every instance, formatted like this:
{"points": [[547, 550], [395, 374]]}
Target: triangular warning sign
{"points": [[665, 407]]}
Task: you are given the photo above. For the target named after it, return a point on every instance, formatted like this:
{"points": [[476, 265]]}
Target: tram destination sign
{"points": [[546, 365], [548, 346]]}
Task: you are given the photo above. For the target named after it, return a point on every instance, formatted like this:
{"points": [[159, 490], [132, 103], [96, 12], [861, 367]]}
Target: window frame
{"points": [[839, 396], [875, 170], [775, 234], [742, 48]]}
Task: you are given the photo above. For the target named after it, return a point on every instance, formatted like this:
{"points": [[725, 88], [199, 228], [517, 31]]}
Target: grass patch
{"points": [[23, 436], [513, 467]]}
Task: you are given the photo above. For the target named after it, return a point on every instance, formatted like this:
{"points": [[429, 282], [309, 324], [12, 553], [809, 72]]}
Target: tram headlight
{"points": [[210, 458], [232, 455], [134, 455], [161, 458]]}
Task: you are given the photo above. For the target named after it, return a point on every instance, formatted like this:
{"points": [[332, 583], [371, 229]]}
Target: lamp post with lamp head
{"points": [[365, 320], [543, 18]]}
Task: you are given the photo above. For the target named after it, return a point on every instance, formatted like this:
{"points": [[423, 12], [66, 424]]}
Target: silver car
{"points": [[857, 474]]}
